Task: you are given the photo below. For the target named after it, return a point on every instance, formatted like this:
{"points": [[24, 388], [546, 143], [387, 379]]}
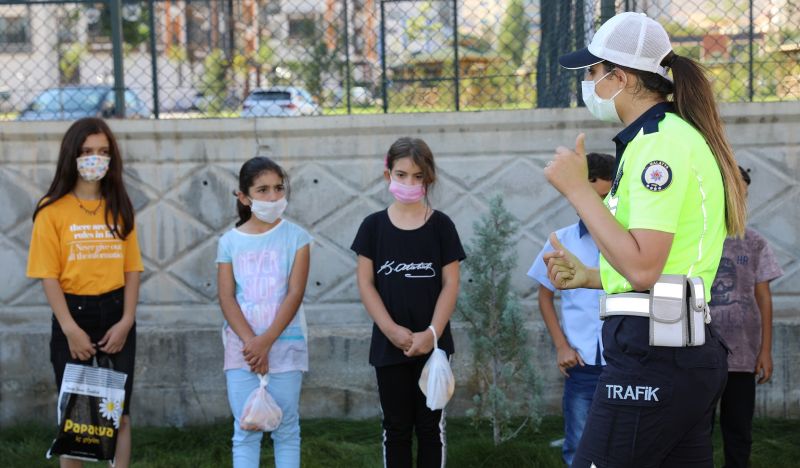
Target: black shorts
{"points": [[95, 315]]}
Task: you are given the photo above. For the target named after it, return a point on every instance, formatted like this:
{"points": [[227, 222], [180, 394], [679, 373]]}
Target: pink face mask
{"points": [[406, 193]]}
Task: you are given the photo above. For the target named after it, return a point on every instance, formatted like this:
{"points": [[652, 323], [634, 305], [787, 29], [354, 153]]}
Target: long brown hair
{"points": [[694, 102], [119, 209]]}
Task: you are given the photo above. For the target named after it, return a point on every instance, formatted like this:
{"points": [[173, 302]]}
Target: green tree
{"points": [[213, 82], [425, 25], [134, 28], [69, 62], [180, 56], [262, 59], [504, 373], [256, 60], [240, 65], [320, 62], [515, 31]]}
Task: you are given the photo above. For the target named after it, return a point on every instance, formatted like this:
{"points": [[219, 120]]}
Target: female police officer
{"points": [[676, 195]]}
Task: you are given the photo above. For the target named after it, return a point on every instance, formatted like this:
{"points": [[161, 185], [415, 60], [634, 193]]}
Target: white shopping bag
{"points": [[90, 406], [436, 381], [260, 412]]}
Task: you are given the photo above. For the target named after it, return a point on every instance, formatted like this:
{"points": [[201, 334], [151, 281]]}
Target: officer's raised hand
{"points": [[568, 169], [564, 269]]}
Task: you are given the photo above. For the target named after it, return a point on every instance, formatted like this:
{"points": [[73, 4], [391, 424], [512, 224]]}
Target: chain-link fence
{"points": [[231, 58]]}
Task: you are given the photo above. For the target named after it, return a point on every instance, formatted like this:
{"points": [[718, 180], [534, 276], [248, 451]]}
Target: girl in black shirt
{"points": [[408, 274]]}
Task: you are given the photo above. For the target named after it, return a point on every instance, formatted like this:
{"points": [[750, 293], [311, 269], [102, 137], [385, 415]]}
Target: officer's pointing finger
{"points": [[580, 146]]}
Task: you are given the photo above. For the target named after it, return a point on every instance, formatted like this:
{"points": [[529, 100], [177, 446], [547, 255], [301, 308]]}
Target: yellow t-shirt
{"points": [[78, 249]]}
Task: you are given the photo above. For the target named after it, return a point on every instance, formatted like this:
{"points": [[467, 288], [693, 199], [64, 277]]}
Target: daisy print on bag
{"points": [[111, 409]]}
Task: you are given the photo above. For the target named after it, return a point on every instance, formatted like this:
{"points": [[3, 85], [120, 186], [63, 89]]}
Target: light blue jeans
{"points": [[285, 389]]}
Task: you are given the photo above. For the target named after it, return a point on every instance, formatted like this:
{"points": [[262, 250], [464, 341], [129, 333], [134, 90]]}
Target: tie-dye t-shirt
{"points": [[734, 311], [262, 264]]}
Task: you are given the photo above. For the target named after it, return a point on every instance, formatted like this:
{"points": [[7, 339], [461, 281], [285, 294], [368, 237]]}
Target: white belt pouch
{"points": [[676, 307]]}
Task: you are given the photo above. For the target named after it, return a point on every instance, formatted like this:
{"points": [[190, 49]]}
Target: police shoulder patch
{"points": [[656, 176]]}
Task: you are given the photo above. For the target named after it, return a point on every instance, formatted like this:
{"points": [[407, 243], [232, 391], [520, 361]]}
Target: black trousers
{"points": [[95, 315], [736, 418], [654, 405], [405, 413]]}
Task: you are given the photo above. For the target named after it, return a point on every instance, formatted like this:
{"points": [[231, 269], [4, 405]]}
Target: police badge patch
{"points": [[656, 176]]}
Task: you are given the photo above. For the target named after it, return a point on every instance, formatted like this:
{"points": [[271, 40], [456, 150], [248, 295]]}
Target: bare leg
{"points": [[123, 454], [65, 462]]}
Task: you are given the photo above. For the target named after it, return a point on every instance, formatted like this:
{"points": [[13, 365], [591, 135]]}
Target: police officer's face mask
{"points": [[602, 109]]}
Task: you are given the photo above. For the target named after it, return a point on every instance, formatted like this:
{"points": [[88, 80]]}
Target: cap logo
{"points": [[656, 176]]}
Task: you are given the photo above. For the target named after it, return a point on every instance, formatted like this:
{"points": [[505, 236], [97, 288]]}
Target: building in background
{"points": [[244, 44]]}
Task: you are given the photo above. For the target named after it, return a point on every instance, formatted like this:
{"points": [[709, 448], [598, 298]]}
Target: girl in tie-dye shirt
{"points": [[262, 272]]}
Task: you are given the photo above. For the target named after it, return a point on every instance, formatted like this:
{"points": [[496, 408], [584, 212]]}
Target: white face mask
{"points": [[266, 211], [602, 109]]}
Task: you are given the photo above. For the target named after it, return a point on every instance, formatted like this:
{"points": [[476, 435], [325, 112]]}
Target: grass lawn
{"points": [[353, 444]]}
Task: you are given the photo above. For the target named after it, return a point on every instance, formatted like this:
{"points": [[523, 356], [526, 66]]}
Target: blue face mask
{"points": [[602, 109]]}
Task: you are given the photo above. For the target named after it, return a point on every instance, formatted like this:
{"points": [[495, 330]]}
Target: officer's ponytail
{"points": [[694, 102]]}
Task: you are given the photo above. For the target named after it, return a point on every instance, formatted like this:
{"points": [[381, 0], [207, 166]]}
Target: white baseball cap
{"points": [[629, 39]]}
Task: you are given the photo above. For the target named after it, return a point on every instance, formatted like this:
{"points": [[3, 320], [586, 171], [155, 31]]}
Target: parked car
{"points": [[74, 102], [5, 100], [360, 96], [202, 103], [279, 101]]}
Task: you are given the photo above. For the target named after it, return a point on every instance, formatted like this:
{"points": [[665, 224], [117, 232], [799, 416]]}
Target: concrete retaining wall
{"points": [[180, 175]]}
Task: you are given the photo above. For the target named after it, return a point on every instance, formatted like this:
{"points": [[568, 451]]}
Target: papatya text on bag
{"points": [[71, 426], [89, 411]]}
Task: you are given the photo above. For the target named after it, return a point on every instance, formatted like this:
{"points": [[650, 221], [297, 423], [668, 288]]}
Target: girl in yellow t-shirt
{"points": [[84, 249]]}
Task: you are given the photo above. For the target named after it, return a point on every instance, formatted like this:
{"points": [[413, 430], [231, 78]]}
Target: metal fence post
{"points": [[607, 10], [347, 55], [231, 26], [457, 64], [580, 43], [153, 57], [750, 91], [116, 42], [383, 60]]}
